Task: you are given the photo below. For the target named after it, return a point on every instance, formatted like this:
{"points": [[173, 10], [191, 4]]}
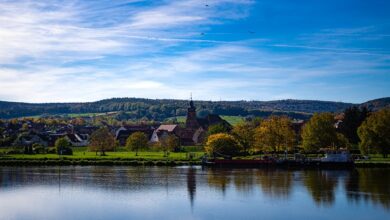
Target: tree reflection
{"points": [[219, 179], [321, 186], [244, 181], [369, 184], [275, 183]]}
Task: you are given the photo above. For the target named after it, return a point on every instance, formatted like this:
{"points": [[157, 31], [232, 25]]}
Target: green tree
{"points": [[275, 134], [374, 133], [102, 140], [319, 132], [137, 141], [169, 143], [342, 141], [222, 144], [62, 146]]}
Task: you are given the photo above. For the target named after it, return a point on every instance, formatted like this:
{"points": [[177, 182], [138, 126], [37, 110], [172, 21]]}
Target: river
{"points": [[96, 192]]}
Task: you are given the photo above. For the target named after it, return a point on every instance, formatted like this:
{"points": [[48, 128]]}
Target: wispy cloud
{"points": [[89, 50]]}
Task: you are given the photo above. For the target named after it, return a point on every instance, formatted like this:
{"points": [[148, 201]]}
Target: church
{"points": [[193, 132], [196, 128]]}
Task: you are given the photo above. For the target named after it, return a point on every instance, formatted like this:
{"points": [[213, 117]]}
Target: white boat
{"points": [[337, 156]]}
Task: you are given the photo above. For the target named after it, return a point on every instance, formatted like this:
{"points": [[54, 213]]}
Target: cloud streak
{"points": [[85, 51]]}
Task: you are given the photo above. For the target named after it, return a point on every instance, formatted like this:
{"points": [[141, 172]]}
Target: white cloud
{"points": [[54, 51]]}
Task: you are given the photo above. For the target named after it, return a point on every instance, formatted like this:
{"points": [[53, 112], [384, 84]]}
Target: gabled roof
{"points": [[211, 119], [168, 128]]}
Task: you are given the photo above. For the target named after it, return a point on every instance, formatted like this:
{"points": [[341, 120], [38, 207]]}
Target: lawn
{"points": [[120, 153], [233, 120], [111, 155]]}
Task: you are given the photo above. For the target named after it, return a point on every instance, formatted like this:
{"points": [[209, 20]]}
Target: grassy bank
{"points": [[112, 158], [81, 156]]}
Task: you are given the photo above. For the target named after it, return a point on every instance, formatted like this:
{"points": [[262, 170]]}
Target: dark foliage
{"points": [[353, 118]]}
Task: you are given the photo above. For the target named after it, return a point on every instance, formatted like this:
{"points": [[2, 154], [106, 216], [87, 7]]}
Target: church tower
{"points": [[191, 121]]}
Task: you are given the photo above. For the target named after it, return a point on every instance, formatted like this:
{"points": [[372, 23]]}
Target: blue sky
{"points": [[61, 51]]}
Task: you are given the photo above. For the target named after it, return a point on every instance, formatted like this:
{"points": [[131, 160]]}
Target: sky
{"points": [[85, 50]]}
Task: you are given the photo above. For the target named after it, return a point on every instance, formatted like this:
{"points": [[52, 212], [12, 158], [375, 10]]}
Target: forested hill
{"points": [[160, 109], [377, 104]]}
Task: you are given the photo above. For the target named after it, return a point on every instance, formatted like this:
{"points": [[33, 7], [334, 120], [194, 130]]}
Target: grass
{"points": [[233, 120], [121, 155], [81, 153]]}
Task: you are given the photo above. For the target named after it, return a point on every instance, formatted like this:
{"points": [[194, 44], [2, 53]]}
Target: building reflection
{"points": [[191, 184]]}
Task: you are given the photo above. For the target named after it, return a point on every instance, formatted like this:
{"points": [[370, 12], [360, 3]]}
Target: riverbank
{"points": [[144, 158], [87, 162], [110, 161]]}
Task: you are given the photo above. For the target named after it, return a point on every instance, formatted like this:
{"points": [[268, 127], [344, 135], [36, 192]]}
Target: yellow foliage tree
{"points": [[275, 134], [222, 144]]}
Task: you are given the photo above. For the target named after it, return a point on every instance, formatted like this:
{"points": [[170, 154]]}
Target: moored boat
{"points": [[332, 160]]}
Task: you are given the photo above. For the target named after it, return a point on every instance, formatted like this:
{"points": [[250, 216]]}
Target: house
{"points": [[164, 130], [75, 139], [29, 138], [78, 140], [122, 133]]}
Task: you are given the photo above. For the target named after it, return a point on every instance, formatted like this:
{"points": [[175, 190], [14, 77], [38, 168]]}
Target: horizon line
{"points": [[196, 100]]}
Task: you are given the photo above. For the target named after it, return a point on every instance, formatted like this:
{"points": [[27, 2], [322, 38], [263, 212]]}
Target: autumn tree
{"points": [[137, 141], [374, 133], [169, 142], [102, 140], [244, 133], [222, 144], [275, 134]]}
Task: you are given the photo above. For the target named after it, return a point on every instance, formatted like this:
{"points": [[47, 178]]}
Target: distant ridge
{"points": [[377, 104], [160, 109]]}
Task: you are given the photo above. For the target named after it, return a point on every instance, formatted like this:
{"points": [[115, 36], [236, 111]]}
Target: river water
{"points": [[192, 193]]}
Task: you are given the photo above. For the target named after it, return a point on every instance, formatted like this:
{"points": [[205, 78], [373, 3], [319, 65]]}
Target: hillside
{"points": [[377, 104], [161, 109]]}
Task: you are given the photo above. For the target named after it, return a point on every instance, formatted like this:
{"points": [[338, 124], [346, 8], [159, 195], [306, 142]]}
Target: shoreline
{"points": [[140, 162]]}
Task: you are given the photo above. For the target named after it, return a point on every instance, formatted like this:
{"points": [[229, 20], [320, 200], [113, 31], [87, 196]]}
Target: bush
{"points": [[222, 145]]}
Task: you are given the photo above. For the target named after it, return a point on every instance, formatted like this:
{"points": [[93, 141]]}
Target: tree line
{"points": [[276, 134], [160, 109]]}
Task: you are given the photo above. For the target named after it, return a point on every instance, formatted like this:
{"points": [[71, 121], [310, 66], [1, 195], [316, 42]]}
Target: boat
{"points": [[230, 162], [332, 160]]}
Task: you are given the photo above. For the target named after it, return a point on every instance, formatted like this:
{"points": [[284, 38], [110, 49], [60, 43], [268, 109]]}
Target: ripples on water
{"points": [[192, 193]]}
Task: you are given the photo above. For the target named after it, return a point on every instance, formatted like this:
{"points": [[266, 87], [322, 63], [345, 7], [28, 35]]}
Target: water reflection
{"points": [[321, 185], [371, 185], [191, 184], [322, 188], [275, 184], [219, 179]]}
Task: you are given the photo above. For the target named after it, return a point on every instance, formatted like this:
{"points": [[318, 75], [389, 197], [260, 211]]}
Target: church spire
{"points": [[191, 102], [191, 121]]}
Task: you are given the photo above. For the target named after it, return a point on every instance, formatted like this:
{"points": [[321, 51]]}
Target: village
{"points": [[191, 133]]}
